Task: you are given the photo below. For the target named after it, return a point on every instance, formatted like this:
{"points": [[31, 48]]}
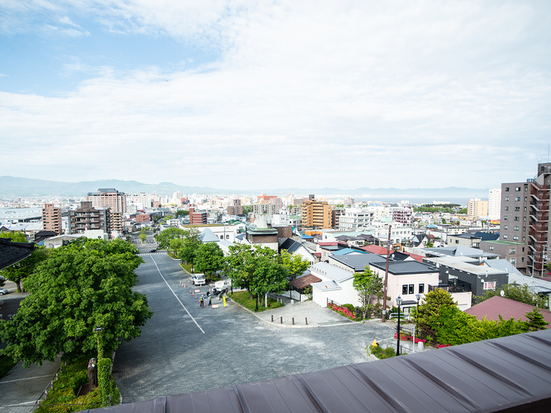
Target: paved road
{"points": [[185, 348]]}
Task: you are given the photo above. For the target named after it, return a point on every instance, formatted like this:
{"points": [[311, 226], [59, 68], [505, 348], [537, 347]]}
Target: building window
{"points": [[505, 218], [505, 227], [421, 288], [411, 289], [517, 198], [517, 189], [506, 198], [404, 289], [506, 189], [513, 261], [512, 250], [515, 238], [505, 236], [506, 208], [517, 208], [517, 219], [491, 248]]}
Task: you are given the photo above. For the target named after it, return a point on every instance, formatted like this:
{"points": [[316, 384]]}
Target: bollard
{"points": [[306, 319], [272, 318], [280, 320], [293, 320]]}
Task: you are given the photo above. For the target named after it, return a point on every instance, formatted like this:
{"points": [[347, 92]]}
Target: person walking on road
{"points": [[201, 302], [210, 298]]}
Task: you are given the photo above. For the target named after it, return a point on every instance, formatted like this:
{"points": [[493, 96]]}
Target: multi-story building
{"points": [[108, 198], [88, 218], [355, 218], [316, 214], [477, 208], [525, 217], [494, 203], [197, 217], [403, 215], [51, 219], [235, 208]]}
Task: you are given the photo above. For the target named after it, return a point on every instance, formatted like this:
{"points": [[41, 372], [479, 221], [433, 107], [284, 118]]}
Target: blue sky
{"points": [[243, 94]]}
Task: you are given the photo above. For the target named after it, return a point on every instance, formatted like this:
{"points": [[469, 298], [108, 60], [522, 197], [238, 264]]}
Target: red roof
{"points": [[414, 256], [375, 249], [493, 307]]}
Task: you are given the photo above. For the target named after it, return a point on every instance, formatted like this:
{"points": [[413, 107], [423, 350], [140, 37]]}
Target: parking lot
{"points": [[186, 348]]}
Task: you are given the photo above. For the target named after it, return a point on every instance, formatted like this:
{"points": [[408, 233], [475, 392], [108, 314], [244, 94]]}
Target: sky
{"points": [[276, 94]]}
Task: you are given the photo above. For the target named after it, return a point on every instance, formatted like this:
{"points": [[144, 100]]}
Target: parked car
{"points": [[3, 291], [153, 250]]}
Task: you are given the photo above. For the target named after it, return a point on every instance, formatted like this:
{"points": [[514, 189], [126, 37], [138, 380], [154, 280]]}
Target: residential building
{"points": [[512, 251], [476, 209], [316, 214], [403, 215], [336, 285], [108, 198], [88, 218], [51, 219], [235, 208], [197, 217], [355, 218], [494, 203], [525, 217], [470, 239]]}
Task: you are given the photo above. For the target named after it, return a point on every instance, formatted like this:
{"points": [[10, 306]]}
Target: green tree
{"points": [[295, 264], [521, 293], [78, 287], [536, 321], [241, 263], [247, 209], [268, 277], [209, 258], [16, 236], [370, 290], [181, 213], [428, 318], [188, 250], [165, 236], [142, 237]]}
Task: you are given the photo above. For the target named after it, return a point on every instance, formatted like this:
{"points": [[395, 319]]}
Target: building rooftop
{"points": [[358, 261], [497, 306], [406, 267]]}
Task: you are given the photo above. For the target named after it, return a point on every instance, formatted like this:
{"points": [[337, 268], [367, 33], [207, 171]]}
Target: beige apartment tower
{"points": [[51, 219], [316, 214], [108, 198]]}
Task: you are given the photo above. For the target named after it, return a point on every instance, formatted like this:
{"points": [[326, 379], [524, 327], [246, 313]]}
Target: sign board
{"points": [[490, 285]]}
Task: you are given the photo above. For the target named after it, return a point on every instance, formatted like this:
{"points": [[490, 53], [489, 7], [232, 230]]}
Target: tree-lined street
{"points": [[185, 348]]}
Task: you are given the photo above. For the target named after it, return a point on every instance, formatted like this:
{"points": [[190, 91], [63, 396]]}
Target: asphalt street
{"points": [[185, 348]]}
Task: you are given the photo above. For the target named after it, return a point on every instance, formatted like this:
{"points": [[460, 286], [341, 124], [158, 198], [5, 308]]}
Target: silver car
{"points": [[3, 291]]}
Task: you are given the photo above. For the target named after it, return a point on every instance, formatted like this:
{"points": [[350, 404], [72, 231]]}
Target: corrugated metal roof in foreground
{"points": [[510, 374]]}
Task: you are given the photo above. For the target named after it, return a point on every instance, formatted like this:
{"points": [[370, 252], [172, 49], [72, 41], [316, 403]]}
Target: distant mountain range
{"points": [[11, 187]]}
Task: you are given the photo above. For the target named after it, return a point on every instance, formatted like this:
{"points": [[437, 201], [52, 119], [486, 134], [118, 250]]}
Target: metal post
{"points": [[306, 319], [293, 320], [399, 302], [385, 288], [280, 320], [272, 318]]}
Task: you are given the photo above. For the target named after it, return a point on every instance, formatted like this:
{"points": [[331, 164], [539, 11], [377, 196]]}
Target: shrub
{"points": [[381, 353]]}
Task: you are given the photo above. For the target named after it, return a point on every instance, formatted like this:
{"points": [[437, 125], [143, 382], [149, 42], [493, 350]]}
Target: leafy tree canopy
{"points": [[78, 287], [370, 290], [521, 293], [209, 258], [181, 213], [16, 236], [295, 264]]}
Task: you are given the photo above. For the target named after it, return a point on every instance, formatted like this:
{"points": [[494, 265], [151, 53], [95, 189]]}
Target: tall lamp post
{"points": [[418, 297], [399, 303]]}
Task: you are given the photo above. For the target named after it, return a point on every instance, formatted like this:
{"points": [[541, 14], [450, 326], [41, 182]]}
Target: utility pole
{"points": [[386, 276]]}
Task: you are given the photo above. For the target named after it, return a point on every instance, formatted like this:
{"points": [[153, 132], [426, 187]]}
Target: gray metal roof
{"points": [[509, 374], [406, 267], [13, 252], [330, 271], [358, 261]]}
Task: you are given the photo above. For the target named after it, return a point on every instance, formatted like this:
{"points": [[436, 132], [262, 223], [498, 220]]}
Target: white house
{"points": [[335, 285]]}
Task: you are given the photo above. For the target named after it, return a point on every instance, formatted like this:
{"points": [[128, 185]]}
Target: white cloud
{"points": [[345, 94]]}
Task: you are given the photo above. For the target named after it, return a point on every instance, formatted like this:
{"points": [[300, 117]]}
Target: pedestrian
{"points": [[208, 293], [210, 300], [201, 302]]}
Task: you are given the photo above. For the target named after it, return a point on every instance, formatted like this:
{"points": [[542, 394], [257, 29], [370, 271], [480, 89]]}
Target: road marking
{"points": [[28, 378], [182, 304]]}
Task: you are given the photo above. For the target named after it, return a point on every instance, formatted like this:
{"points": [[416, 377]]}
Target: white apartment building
{"points": [[355, 218], [477, 208], [494, 203]]}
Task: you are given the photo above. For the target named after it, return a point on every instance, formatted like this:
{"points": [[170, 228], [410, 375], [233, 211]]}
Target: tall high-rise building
{"points": [[108, 198], [477, 208], [494, 203], [525, 218], [316, 214], [51, 219]]}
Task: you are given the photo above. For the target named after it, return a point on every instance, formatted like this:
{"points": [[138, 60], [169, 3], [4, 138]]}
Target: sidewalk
{"points": [[306, 314], [21, 388]]}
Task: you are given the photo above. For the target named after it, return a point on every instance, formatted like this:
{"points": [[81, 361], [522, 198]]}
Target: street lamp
{"points": [[399, 302], [418, 297]]}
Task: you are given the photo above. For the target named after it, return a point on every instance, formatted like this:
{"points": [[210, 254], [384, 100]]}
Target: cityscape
{"points": [[279, 206]]}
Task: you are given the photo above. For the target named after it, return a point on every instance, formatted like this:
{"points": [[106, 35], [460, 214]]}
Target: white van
{"points": [[199, 279]]}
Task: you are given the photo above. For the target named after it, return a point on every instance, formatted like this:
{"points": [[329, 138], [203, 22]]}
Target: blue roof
{"points": [[346, 251], [307, 237]]}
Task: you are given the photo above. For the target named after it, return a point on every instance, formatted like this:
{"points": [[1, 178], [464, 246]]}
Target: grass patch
{"points": [[186, 267], [63, 397], [381, 353], [6, 364], [244, 298]]}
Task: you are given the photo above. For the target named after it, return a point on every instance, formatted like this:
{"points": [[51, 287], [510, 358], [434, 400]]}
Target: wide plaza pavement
{"points": [[185, 348]]}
